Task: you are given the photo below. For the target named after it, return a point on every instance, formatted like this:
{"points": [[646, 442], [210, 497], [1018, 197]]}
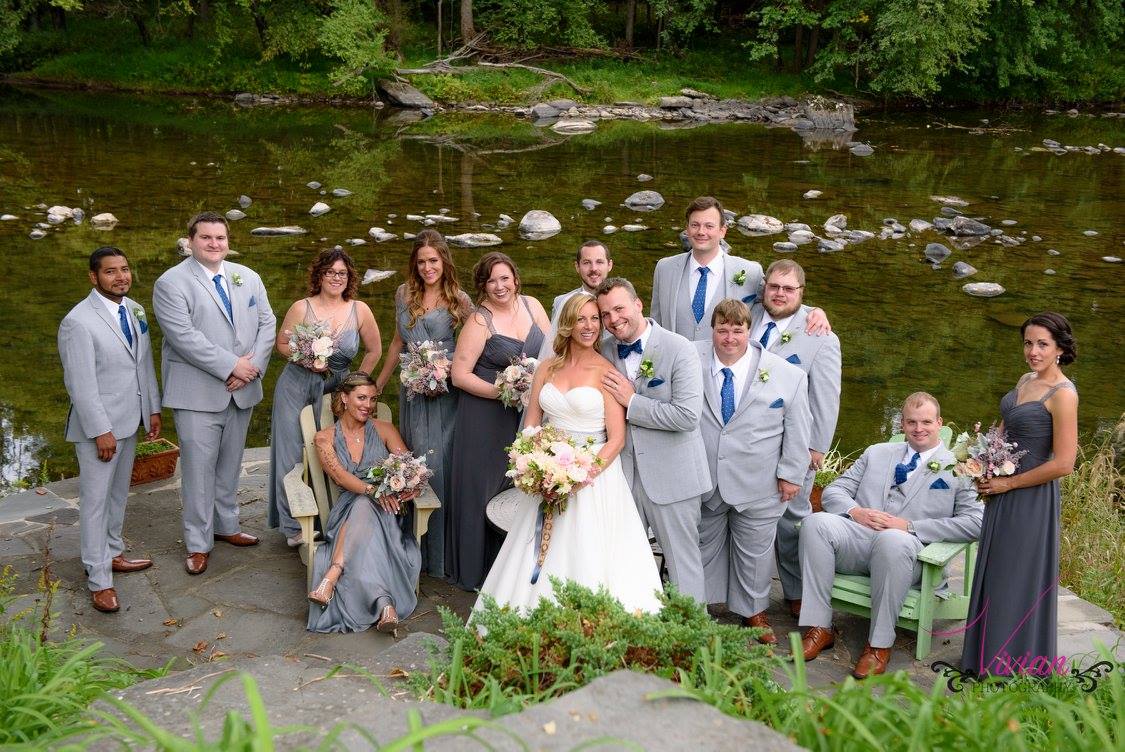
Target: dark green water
{"points": [[904, 326]]}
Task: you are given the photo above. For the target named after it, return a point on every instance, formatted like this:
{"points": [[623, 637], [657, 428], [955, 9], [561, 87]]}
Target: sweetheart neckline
{"points": [[568, 391]]}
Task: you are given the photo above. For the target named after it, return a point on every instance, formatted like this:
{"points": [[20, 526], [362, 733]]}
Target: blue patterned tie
{"points": [[125, 328], [624, 350], [699, 302], [727, 394], [765, 340], [218, 280], [902, 470]]}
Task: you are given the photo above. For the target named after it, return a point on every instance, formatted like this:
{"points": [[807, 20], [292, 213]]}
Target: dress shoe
{"points": [[817, 639], [121, 564], [760, 621], [196, 563], [872, 662], [239, 539], [794, 607], [106, 600]]}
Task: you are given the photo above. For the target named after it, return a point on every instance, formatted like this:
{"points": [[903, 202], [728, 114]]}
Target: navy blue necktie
{"points": [[699, 302], [902, 470], [765, 340], [125, 328], [624, 350], [218, 280], [727, 394]]}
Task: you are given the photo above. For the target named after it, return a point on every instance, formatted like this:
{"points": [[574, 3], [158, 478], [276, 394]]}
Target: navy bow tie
{"points": [[624, 350]]}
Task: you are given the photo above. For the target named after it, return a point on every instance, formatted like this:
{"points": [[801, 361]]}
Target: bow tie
{"points": [[624, 350]]}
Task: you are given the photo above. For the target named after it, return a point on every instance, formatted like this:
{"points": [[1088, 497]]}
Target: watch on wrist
{"points": [[910, 527]]}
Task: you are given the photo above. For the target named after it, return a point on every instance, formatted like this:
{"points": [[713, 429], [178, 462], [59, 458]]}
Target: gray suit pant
{"points": [[211, 446], [788, 539], [103, 488], [676, 526], [833, 543], [736, 546]]}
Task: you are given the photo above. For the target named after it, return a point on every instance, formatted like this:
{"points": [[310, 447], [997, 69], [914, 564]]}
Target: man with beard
{"points": [[593, 264]]}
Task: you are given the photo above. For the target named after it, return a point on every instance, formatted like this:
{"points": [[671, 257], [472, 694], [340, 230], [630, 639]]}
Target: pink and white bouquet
{"points": [[425, 370], [514, 382], [399, 473], [312, 345], [988, 455]]}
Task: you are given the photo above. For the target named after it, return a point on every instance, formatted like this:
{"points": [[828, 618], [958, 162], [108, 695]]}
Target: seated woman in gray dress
{"points": [[370, 562]]}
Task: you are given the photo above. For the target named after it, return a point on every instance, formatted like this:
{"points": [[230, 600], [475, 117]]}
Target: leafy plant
{"points": [[834, 463], [147, 448]]}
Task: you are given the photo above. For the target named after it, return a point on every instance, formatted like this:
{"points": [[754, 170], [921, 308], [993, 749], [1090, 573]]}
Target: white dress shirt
{"points": [[923, 458], [633, 360], [714, 278], [116, 316], [210, 275], [781, 326], [740, 369]]}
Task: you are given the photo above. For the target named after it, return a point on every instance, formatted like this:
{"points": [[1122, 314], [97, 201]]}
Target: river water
{"points": [[904, 325]]}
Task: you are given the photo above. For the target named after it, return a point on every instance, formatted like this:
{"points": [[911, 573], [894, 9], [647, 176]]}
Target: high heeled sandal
{"points": [[315, 596], [387, 625]]}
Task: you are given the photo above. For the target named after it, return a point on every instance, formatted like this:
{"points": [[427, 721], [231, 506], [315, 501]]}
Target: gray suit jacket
{"points": [[819, 357], [662, 435], [670, 277], [766, 438], [952, 513], [112, 386], [201, 345]]}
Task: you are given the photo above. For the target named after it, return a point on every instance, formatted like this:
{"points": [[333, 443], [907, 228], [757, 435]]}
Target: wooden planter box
{"points": [[814, 498], [157, 466]]}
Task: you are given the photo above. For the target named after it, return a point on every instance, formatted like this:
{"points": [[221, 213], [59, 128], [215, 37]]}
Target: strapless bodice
{"points": [[580, 410]]}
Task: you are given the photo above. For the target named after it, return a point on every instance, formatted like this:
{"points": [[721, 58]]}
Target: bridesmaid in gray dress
{"points": [[504, 326], [1012, 627], [332, 288], [430, 306], [370, 561]]}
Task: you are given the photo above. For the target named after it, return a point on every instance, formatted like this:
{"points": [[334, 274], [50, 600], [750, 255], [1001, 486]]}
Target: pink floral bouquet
{"points": [[514, 382], [311, 344], [988, 455], [399, 473], [425, 370]]}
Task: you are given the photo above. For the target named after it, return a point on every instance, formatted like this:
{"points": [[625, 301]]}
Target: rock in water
{"points": [[936, 252], [63, 212], [825, 245], [795, 226], [950, 200], [402, 94], [590, 204], [609, 229], [634, 228], [539, 225], [1090, 233], [473, 239], [36, 234], [319, 208], [356, 241], [341, 192], [836, 223], [375, 275], [760, 224], [919, 225], [785, 247], [544, 111], [235, 214], [574, 125], [644, 178], [813, 194], [381, 235], [7, 217], [282, 231], [962, 270], [862, 150], [983, 289], [645, 201], [244, 201], [967, 226], [800, 237], [103, 221], [435, 218], [1111, 259], [314, 185], [676, 103]]}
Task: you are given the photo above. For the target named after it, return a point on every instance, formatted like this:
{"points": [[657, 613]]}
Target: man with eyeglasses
{"points": [[218, 334], [779, 325]]}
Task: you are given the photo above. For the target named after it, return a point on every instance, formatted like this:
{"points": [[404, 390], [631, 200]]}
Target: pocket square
{"points": [[750, 298], [656, 382], [253, 302], [940, 485], [142, 325], [779, 402], [794, 359]]}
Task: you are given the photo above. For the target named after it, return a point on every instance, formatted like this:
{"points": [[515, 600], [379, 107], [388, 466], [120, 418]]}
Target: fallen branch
{"points": [[540, 71], [980, 128]]}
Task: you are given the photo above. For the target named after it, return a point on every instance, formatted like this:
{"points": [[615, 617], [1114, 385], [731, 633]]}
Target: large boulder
{"points": [[402, 94], [645, 201], [473, 239], [539, 225], [760, 224], [968, 226]]}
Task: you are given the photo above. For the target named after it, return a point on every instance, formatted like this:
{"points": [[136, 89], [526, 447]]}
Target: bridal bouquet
{"points": [[312, 345], [425, 370], [514, 382], [986, 455], [399, 473], [544, 461]]}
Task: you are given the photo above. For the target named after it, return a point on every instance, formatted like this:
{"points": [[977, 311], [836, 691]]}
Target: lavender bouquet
{"points": [[514, 382], [988, 455], [425, 370], [312, 345]]}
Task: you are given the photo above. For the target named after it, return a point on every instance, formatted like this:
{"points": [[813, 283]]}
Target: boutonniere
{"points": [[763, 375], [933, 466], [647, 370], [142, 322], [786, 337], [236, 278], [740, 277]]}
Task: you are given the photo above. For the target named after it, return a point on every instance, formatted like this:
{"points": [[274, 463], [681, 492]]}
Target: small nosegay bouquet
{"points": [[514, 382], [425, 370], [399, 473], [987, 455], [311, 345]]}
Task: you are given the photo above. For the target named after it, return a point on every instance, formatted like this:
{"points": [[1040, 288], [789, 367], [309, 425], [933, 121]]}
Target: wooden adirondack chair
{"points": [[320, 493], [852, 593]]}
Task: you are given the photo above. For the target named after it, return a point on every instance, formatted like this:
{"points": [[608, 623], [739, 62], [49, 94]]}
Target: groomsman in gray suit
{"points": [[109, 375], [657, 380], [218, 333], [593, 263], [756, 430], [877, 516], [778, 325]]}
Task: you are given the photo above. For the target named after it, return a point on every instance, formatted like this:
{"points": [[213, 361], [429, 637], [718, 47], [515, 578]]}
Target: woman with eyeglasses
{"points": [[331, 291]]}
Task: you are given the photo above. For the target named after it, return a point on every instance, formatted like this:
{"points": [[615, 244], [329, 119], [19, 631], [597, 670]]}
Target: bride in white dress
{"points": [[599, 540]]}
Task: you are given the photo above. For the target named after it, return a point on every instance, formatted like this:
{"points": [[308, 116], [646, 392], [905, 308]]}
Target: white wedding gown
{"points": [[598, 541]]}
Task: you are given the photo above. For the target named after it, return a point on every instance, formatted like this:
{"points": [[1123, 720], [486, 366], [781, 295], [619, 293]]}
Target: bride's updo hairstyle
{"points": [[1060, 330], [567, 318], [350, 383]]}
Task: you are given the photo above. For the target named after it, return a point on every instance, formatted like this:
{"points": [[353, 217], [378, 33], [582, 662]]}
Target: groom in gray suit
{"points": [[877, 516], [593, 263], [109, 375], [657, 381], [778, 325], [756, 429], [218, 334]]}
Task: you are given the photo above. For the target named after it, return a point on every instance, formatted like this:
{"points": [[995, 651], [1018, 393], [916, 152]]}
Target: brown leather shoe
{"points": [[817, 639], [196, 563], [106, 600], [794, 607], [121, 564], [239, 539], [760, 621], [872, 662]]}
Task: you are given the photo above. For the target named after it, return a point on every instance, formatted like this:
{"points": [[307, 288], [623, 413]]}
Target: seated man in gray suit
{"points": [[778, 325], [657, 381], [593, 263], [686, 287], [877, 516], [756, 429], [109, 375], [218, 334]]}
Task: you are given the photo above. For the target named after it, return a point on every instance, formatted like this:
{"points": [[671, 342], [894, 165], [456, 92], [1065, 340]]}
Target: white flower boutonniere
{"points": [[763, 375], [647, 369], [139, 313], [786, 337], [740, 277], [236, 278]]}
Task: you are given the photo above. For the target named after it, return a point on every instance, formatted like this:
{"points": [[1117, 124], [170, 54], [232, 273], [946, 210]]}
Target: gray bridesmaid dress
{"points": [[381, 558], [296, 388], [1013, 611], [483, 428]]}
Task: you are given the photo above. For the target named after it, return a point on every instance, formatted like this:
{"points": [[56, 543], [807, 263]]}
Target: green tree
{"points": [[354, 33]]}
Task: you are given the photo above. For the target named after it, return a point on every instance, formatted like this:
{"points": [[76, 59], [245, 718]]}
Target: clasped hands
{"points": [[393, 502], [877, 520], [243, 373]]}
